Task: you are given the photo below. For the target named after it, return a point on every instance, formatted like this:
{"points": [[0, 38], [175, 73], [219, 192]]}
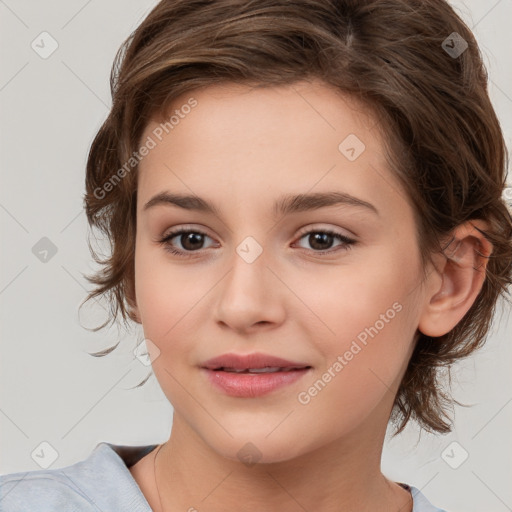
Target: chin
{"points": [[256, 447]]}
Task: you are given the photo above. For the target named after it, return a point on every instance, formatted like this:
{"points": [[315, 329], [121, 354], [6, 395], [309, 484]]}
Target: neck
{"points": [[343, 475]]}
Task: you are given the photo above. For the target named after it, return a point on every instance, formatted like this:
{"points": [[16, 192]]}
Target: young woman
{"points": [[304, 205]]}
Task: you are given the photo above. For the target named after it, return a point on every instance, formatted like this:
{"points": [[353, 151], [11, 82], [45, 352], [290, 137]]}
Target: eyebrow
{"points": [[283, 206]]}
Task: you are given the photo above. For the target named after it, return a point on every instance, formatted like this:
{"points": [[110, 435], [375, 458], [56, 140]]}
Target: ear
{"points": [[462, 268]]}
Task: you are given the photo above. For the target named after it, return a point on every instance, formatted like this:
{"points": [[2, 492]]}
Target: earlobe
{"points": [[462, 273]]}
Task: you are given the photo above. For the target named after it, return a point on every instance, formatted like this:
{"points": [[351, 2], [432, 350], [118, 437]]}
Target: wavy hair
{"points": [[414, 63]]}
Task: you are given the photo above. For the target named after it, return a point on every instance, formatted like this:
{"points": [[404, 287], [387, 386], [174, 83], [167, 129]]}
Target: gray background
{"points": [[51, 390]]}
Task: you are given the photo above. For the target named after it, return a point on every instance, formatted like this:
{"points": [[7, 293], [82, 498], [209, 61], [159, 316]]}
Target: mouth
{"points": [[252, 375]]}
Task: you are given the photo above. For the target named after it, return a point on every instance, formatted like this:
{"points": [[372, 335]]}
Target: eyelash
{"points": [[348, 242]]}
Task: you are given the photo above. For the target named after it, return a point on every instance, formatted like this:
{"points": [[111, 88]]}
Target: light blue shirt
{"points": [[101, 482]]}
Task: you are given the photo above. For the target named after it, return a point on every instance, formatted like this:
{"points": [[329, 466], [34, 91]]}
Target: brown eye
{"points": [[188, 241], [321, 241], [191, 241]]}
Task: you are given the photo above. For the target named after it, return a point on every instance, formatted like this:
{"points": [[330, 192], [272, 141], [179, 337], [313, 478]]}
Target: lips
{"points": [[252, 375]]}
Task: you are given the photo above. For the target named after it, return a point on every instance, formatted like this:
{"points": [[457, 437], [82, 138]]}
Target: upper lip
{"points": [[255, 360]]}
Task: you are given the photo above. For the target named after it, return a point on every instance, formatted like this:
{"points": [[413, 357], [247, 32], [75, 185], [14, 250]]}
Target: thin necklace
{"points": [[156, 483]]}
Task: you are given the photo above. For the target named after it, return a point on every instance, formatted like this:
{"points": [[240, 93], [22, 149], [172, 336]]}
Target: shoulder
{"points": [[42, 491], [420, 501], [100, 482]]}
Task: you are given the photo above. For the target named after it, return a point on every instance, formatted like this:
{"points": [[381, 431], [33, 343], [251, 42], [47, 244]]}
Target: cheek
{"points": [[166, 297], [166, 293], [366, 315], [372, 291], [363, 363]]}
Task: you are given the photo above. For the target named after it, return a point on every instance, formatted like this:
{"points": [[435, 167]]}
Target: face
{"points": [[329, 282]]}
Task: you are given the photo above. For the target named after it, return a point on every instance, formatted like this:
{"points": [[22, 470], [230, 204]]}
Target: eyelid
{"points": [[184, 227], [340, 231]]}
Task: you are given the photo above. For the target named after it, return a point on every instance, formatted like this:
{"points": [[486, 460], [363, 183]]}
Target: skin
{"points": [[242, 149]]}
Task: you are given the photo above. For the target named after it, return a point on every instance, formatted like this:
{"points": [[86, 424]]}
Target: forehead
{"points": [[304, 110], [296, 138]]}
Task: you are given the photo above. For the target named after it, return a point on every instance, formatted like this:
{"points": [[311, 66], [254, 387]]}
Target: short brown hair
{"points": [[417, 66]]}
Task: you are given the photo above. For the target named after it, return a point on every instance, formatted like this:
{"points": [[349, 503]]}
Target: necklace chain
{"points": [[156, 483]]}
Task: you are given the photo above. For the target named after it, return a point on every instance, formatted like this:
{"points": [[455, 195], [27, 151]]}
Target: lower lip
{"points": [[250, 385]]}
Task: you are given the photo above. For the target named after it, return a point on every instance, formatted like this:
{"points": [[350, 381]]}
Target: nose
{"points": [[250, 297]]}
